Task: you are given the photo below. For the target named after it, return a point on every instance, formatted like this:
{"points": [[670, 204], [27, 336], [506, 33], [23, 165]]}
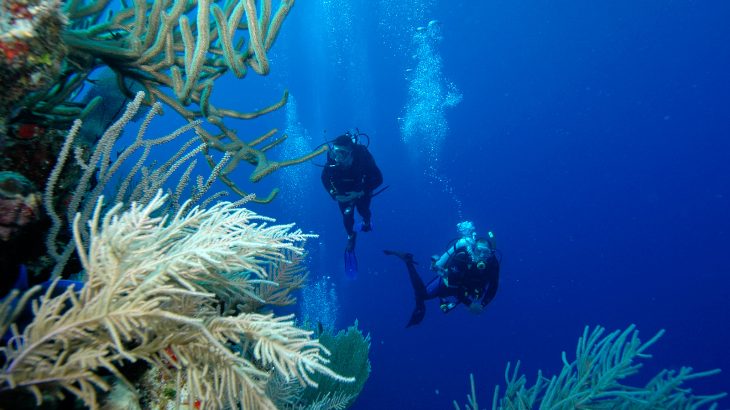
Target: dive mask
{"points": [[481, 254], [340, 154]]}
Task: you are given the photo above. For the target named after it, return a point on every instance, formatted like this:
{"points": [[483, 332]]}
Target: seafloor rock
{"points": [[20, 204], [31, 50]]}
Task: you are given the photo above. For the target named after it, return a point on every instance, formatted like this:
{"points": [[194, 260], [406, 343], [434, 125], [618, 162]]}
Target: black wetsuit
{"points": [[361, 175], [466, 284]]}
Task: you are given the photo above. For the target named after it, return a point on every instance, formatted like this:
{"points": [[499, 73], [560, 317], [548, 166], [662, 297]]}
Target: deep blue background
{"points": [[593, 138]]}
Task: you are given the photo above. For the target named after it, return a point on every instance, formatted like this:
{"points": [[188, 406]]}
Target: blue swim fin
{"points": [[350, 264], [25, 316], [21, 283]]}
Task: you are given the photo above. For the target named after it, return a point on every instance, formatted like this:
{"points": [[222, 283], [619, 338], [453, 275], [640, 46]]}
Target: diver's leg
{"points": [[419, 291], [434, 288], [348, 217], [404, 256], [363, 208]]}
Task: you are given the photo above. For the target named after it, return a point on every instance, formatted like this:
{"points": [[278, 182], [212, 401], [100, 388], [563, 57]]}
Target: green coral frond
{"points": [[349, 357], [595, 379]]}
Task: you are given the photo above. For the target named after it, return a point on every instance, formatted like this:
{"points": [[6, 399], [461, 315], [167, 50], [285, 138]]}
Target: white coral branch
{"points": [[153, 285]]}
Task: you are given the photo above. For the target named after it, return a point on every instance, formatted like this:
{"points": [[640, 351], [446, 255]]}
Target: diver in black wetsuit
{"points": [[468, 274], [350, 176]]}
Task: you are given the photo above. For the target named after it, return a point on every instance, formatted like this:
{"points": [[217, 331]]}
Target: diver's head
{"points": [[341, 151], [466, 229], [482, 252]]}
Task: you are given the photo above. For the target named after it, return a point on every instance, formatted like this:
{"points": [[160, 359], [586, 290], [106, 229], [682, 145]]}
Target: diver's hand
{"points": [[349, 196], [476, 308], [434, 267]]}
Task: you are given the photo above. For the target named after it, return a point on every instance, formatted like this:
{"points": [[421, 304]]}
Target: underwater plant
{"points": [[31, 50], [174, 297], [52, 52], [349, 356], [155, 290], [95, 172], [594, 380], [153, 45]]}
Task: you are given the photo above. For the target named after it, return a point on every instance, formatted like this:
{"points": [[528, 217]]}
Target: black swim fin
{"points": [[350, 264], [418, 314], [404, 256]]}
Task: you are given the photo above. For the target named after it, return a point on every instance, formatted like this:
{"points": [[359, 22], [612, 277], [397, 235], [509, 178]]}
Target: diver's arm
{"points": [[327, 182], [438, 264]]}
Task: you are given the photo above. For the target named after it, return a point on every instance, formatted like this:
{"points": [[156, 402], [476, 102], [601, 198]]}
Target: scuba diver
{"points": [[468, 273], [350, 176]]}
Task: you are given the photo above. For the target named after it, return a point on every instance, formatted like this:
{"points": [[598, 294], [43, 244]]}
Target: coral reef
{"points": [[154, 289], [31, 56], [594, 380], [172, 289], [156, 46], [19, 204], [176, 300], [95, 171], [31, 50], [50, 52], [283, 279], [20, 225], [349, 356]]}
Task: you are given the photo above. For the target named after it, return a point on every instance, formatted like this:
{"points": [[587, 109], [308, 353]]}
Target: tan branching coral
{"points": [[152, 294], [177, 61], [175, 50], [140, 182], [246, 152], [283, 279]]}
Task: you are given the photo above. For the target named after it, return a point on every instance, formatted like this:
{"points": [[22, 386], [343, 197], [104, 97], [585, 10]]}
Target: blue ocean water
{"points": [[593, 138]]}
